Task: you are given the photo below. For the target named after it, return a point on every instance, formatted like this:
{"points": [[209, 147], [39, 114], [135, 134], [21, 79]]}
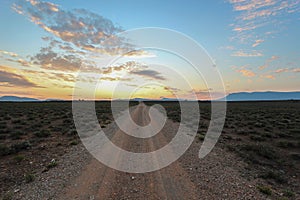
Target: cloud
{"points": [[246, 72], [227, 47], [115, 79], [14, 57], [148, 73], [296, 70], [86, 30], [257, 42], [20, 61], [65, 77], [242, 53], [273, 58], [287, 70], [262, 67], [49, 59], [76, 35], [268, 62], [139, 54], [206, 94], [253, 14], [11, 54], [171, 89], [282, 70], [268, 76], [127, 66], [54, 61], [11, 79]]}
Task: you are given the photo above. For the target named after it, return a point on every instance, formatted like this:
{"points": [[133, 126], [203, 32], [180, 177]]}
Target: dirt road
{"points": [[98, 181], [217, 176]]}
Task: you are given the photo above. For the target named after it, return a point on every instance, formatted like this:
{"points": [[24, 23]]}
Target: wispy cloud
{"points": [[296, 70], [12, 54], [50, 76], [14, 57], [148, 73], [257, 42], [246, 72], [227, 47], [132, 68], [281, 70], [171, 89], [10, 79], [206, 94], [115, 79], [268, 62], [268, 76], [253, 14], [242, 53]]}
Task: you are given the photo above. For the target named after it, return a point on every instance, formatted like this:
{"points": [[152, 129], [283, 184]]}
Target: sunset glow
{"points": [[44, 44]]}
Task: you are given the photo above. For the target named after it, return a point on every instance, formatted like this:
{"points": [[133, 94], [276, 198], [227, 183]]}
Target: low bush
{"points": [[43, 133], [265, 189], [276, 176], [4, 150], [29, 177]]}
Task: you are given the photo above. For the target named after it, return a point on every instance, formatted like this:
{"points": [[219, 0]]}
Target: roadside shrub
{"points": [[288, 193], [74, 142], [16, 121], [265, 189], [43, 133], [286, 144], [200, 137], [29, 177], [257, 138], [8, 196], [7, 118], [19, 158], [52, 164], [4, 150], [2, 125], [15, 148], [276, 176], [261, 150], [15, 135]]}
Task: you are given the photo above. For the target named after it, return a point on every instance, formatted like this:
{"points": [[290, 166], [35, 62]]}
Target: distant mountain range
{"points": [[17, 99], [24, 99], [162, 99], [263, 96], [240, 96]]}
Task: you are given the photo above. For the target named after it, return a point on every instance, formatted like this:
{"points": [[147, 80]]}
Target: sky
{"points": [[47, 47]]}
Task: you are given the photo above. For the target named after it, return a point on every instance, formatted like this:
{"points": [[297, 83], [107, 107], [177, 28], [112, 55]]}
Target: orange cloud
{"points": [[246, 73], [263, 67], [268, 76]]}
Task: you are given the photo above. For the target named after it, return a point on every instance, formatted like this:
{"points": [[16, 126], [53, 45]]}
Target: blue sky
{"points": [[254, 43]]}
